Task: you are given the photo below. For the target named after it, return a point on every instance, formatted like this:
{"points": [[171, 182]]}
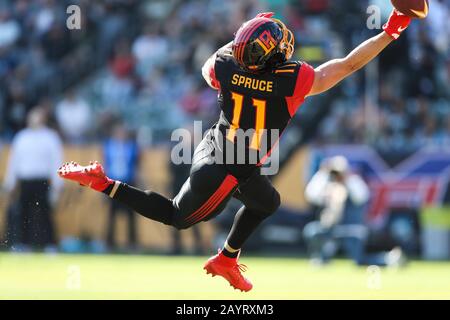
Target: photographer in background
{"points": [[340, 197]]}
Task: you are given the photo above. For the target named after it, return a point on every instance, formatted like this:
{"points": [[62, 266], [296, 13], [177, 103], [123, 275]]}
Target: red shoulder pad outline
{"points": [[303, 85]]}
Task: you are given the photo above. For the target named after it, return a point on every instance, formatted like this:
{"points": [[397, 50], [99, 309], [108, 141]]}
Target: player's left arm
{"points": [[331, 73]]}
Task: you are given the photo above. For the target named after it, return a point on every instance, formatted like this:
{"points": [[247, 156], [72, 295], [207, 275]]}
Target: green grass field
{"points": [[34, 276]]}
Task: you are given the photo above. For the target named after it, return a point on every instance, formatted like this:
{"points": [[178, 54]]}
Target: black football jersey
{"points": [[256, 108]]}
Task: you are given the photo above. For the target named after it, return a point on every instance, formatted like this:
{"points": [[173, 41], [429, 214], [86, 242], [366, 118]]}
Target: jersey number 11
{"points": [[260, 105]]}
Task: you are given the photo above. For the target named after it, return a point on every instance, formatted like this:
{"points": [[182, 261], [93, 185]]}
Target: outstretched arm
{"points": [[331, 73]]}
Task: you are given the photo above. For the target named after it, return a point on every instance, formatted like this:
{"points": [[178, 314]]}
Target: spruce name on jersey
{"points": [[256, 108]]}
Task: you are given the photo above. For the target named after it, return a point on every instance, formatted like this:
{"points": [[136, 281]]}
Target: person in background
{"points": [[340, 197], [31, 179], [121, 156], [74, 116]]}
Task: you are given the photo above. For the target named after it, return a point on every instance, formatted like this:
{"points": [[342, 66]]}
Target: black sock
{"points": [[245, 222], [147, 203], [230, 254], [108, 189]]}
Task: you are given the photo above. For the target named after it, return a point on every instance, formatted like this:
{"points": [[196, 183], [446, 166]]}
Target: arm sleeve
{"points": [[303, 85], [314, 192]]}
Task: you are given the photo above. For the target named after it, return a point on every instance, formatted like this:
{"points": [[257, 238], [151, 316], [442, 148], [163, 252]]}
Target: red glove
{"points": [[265, 15], [396, 24]]}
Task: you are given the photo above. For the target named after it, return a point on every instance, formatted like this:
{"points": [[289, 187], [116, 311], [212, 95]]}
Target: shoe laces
{"points": [[239, 267]]}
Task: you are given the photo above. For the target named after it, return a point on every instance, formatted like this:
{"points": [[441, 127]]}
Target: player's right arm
{"points": [[331, 73]]}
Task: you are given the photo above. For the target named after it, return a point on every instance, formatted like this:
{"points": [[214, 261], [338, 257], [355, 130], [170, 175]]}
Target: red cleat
{"points": [[228, 268], [92, 176]]}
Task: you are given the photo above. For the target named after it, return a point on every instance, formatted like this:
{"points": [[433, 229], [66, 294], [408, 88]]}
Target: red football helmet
{"points": [[262, 43]]}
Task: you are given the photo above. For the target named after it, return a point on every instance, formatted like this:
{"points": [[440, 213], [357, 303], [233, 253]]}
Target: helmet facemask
{"points": [[287, 43]]}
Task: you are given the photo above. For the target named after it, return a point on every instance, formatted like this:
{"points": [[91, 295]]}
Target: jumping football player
{"points": [[260, 90]]}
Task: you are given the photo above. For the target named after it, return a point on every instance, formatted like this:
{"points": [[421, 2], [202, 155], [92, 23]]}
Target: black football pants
{"points": [[204, 195]]}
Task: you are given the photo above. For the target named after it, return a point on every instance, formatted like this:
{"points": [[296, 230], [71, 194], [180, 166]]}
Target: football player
{"points": [[259, 90]]}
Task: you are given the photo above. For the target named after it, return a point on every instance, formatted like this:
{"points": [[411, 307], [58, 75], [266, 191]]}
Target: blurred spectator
{"points": [[35, 155], [339, 197], [439, 25], [9, 30], [74, 117], [121, 160], [119, 86], [46, 16], [56, 42], [122, 64], [16, 108], [150, 49]]}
